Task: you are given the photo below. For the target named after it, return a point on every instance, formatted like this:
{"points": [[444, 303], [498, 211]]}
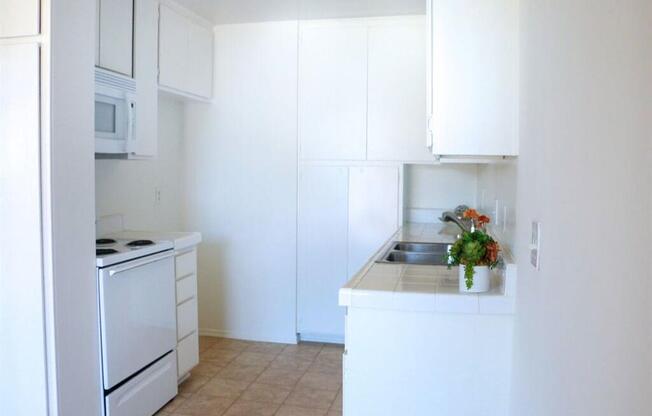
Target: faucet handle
{"points": [[460, 210]]}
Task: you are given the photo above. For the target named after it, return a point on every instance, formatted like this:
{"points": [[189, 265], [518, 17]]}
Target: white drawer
{"points": [[147, 392], [186, 318], [186, 288], [187, 354], [186, 264]]}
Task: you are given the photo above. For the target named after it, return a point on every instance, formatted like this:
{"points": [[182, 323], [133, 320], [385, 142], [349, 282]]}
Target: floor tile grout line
{"points": [[248, 386], [295, 384]]}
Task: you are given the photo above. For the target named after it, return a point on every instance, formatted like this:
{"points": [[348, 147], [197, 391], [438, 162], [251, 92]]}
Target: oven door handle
{"points": [[139, 263]]}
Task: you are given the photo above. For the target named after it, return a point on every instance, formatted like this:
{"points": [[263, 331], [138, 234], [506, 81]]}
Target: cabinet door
{"points": [[116, 35], [397, 90], [98, 6], [21, 284], [321, 257], [373, 212], [333, 90], [200, 57], [19, 18], [173, 41], [145, 73], [475, 77]]}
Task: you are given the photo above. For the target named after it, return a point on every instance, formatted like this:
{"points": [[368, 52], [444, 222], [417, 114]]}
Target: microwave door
{"points": [[110, 124]]}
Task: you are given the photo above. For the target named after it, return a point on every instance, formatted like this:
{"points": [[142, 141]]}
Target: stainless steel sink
{"points": [[431, 254], [422, 247]]}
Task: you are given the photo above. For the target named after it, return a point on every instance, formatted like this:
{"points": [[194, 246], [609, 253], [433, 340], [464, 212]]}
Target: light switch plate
{"points": [[504, 219], [497, 219], [535, 244]]}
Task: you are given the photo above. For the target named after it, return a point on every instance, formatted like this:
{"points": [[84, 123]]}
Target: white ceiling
{"points": [[240, 11]]}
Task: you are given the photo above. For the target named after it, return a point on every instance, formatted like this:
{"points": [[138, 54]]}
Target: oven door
{"points": [[137, 315]]}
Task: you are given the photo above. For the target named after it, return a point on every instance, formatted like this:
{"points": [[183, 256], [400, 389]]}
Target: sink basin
{"points": [[430, 254], [422, 247]]}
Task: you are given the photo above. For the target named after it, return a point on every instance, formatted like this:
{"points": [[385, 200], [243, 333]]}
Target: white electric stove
{"points": [[137, 307], [111, 251]]}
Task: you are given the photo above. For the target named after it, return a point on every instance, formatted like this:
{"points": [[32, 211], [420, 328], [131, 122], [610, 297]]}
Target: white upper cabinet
{"points": [[185, 55], [475, 77], [362, 90], [200, 51], [397, 90], [116, 28], [333, 90], [173, 43], [19, 18], [145, 73]]}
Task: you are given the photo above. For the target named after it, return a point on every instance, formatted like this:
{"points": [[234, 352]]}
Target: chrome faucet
{"points": [[457, 217]]}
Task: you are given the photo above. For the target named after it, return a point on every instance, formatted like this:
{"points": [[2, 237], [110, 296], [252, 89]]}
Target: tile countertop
{"points": [[181, 240], [415, 288]]}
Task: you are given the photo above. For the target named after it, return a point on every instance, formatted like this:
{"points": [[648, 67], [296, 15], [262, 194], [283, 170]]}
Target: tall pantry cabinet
{"points": [[356, 129]]}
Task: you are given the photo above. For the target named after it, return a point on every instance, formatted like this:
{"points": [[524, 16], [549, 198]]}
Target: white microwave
{"points": [[115, 112]]}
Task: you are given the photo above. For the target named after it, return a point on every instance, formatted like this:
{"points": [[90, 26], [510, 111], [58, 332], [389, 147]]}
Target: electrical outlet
{"points": [[157, 196], [535, 245]]}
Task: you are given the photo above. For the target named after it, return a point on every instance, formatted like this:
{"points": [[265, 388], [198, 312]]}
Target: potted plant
{"points": [[475, 252]]}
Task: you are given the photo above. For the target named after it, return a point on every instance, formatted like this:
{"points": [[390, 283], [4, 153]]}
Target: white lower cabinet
{"points": [[345, 216], [373, 214], [187, 354], [423, 364], [322, 250], [186, 318], [187, 324], [186, 288]]}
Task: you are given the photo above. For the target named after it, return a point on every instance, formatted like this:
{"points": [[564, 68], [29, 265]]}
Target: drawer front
{"points": [[186, 264], [187, 354], [147, 392], [186, 288], [186, 318]]}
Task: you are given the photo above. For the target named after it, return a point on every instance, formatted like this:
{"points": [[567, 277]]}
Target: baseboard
{"points": [[210, 332], [325, 338]]}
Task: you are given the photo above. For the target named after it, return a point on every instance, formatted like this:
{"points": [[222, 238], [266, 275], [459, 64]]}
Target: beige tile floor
{"points": [[243, 378]]}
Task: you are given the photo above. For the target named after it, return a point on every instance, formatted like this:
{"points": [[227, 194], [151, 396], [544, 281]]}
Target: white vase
{"points": [[481, 280]]}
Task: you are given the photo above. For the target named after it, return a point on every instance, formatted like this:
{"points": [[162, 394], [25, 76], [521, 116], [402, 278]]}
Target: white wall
{"points": [[431, 189], [129, 187], [241, 184], [497, 198], [584, 320]]}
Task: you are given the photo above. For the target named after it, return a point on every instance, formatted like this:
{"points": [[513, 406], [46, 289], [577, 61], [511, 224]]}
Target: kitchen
{"points": [[273, 158]]}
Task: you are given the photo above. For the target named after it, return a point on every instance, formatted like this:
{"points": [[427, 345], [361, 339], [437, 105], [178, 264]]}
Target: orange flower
{"points": [[471, 213], [492, 250], [482, 220]]}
